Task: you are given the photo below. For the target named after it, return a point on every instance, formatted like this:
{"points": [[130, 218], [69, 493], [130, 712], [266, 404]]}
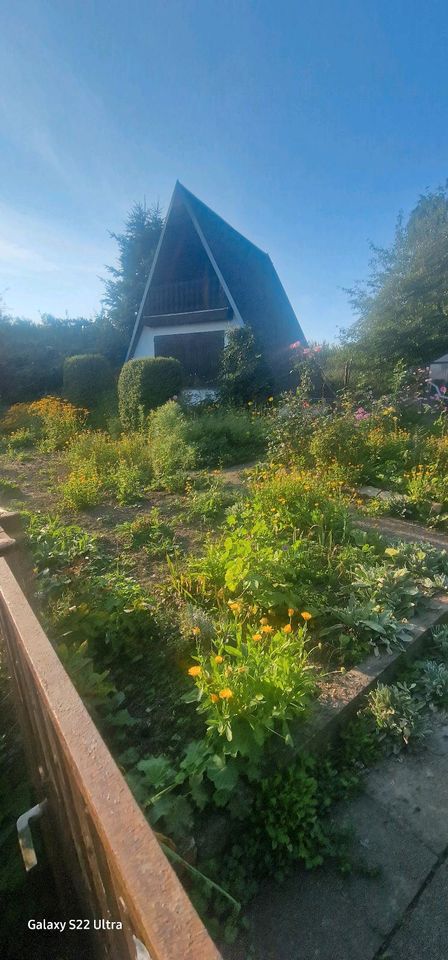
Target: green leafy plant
{"points": [[397, 713], [148, 531], [253, 682]]}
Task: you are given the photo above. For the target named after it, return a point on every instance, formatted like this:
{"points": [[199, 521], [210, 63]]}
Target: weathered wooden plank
{"points": [[92, 810]]}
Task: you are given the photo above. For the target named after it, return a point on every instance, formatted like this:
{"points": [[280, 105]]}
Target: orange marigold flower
{"points": [[266, 628], [306, 615], [218, 658], [225, 694], [213, 698], [287, 628], [235, 606], [195, 671], [291, 611], [196, 631], [256, 637]]}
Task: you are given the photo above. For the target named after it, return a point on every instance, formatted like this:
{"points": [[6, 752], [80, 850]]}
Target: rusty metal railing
{"points": [[97, 839]]}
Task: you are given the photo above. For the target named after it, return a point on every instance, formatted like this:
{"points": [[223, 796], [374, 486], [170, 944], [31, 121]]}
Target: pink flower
{"points": [[442, 389], [296, 345], [361, 414]]}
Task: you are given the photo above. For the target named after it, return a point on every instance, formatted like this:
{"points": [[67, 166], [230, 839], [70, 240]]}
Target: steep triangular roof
{"points": [[246, 273]]}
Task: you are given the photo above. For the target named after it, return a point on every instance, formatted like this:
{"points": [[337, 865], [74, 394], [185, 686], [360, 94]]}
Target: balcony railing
{"points": [[185, 296]]}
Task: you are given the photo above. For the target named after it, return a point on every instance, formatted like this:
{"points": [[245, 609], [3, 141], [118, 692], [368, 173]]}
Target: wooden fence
{"points": [[97, 839]]}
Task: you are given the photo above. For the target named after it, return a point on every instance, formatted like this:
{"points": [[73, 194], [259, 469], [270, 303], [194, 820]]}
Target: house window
{"points": [[199, 353]]}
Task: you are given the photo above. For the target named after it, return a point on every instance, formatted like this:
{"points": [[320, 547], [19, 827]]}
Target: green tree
{"points": [[136, 248], [403, 306]]}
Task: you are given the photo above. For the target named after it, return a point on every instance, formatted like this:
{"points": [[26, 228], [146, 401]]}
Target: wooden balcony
{"points": [[185, 296]]}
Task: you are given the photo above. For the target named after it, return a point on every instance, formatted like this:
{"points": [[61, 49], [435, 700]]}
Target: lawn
{"points": [[200, 609]]}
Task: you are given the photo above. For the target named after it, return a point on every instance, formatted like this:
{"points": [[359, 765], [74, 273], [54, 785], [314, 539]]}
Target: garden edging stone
{"points": [[340, 701]]}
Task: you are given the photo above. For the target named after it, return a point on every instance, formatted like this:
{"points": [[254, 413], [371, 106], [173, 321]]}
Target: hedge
{"points": [[145, 384], [86, 378]]}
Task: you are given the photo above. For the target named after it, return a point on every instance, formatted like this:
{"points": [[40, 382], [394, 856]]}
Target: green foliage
{"points": [[32, 354], [171, 453], [252, 682], [225, 437], [101, 467], [136, 248], [397, 713], [403, 306], [148, 531], [209, 503], [145, 384], [87, 599], [244, 374], [87, 377]]}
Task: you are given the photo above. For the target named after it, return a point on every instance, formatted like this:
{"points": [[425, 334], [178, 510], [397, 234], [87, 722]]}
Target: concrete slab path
{"points": [[394, 905]]}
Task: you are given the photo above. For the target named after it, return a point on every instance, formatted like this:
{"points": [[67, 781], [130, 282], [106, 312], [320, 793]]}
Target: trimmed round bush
{"points": [[145, 384], [86, 378]]}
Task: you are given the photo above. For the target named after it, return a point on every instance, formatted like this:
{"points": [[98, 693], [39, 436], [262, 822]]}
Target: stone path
{"points": [[394, 904], [403, 530]]}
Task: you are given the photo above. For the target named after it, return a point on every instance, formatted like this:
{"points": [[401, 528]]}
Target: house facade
{"points": [[206, 280]]}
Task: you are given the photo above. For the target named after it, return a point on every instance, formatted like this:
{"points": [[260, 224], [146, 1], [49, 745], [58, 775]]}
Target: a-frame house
{"points": [[205, 280]]}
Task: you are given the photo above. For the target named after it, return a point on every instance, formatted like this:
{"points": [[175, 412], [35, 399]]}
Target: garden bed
{"points": [[218, 629]]}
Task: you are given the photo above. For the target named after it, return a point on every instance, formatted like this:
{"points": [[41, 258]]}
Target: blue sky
{"points": [[306, 125]]}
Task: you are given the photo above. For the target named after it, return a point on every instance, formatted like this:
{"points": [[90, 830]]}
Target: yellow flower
{"points": [[235, 606], [213, 698], [218, 658], [225, 694], [266, 629], [195, 671], [306, 615], [196, 631], [287, 628], [270, 399], [291, 611], [256, 637]]}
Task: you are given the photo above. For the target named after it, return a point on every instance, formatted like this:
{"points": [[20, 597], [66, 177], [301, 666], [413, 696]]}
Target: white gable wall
{"points": [[145, 343]]}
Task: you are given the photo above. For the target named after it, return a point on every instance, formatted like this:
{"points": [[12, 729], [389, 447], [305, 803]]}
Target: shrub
{"points": [[227, 436], [145, 384], [171, 454], [86, 378], [82, 489], [244, 373], [101, 466], [59, 421], [50, 423]]}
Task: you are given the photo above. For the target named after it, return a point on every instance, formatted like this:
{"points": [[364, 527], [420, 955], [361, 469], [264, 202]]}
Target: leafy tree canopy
{"points": [[137, 245], [403, 306]]}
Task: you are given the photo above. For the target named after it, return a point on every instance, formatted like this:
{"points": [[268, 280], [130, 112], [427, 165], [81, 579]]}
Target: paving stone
{"points": [[394, 862], [423, 934], [414, 789], [311, 916]]}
